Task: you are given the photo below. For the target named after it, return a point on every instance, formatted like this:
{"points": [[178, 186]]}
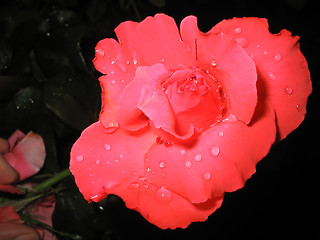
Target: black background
{"points": [[46, 48]]}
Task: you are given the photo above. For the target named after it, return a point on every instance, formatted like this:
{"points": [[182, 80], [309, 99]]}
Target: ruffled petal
{"points": [[228, 63], [284, 78], [222, 159], [27, 155], [102, 163], [108, 57], [167, 209], [134, 102], [158, 35]]}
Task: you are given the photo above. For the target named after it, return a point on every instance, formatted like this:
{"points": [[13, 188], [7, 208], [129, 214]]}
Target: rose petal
{"points": [[8, 214], [43, 211], [158, 35], [108, 57], [226, 61], [102, 162], [284, 78], [164, 208], [222, 159], [10, 189], [15, 138], [27, 156], [145, 86]]}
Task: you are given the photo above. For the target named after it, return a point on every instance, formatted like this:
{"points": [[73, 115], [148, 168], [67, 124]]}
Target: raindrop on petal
{"points": [[221, 133], [277, 57], [215, 151], [213, 63], [272, 76], [299, 107], [198, 157], [188, 47], [237, 30], [134, 185], [206, 176], [100, 52], [97, 161], [188, 164], [107, 147], [79, 158], [243, 42], [163, 195], [162, 164], [288, 90]]}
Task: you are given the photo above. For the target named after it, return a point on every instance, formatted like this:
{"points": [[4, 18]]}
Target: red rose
{"points": [[186, 116]]}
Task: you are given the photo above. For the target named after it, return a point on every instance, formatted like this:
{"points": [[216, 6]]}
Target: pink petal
{"points": [[8, 214], [222, 159], [228, 63], [284, 78], [15, 138], [164, 208], [144, 87], [10, 189], [43, 211], [27, 155], [102, 163], [158, 35]]}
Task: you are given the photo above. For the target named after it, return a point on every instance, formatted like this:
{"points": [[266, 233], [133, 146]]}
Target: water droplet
{"points": [[162, 60], [277, 57], [215, 151], [288, 90], [213, 63], [198, 157], [100, 52], [162, 164], [116, 160], [183, 151], [265, 53], [206, 176], [79, 158], [107, 147], [163, 195], [237, 30], [299, 107], [148, 169], [97, 161], [159, 140], [221, 134], [243, 42], [135, 61], [188, 47], [134, 185], [272, 76], [113, 81], [188, 164]]}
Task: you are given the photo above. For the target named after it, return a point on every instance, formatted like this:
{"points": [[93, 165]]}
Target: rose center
{"points": [[197, 98]]}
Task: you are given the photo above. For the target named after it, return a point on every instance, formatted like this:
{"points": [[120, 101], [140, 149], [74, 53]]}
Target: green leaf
{"points": [[65, 107]]}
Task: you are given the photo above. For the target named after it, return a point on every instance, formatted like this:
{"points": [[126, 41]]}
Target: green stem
{"points": [[53, 180]]}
